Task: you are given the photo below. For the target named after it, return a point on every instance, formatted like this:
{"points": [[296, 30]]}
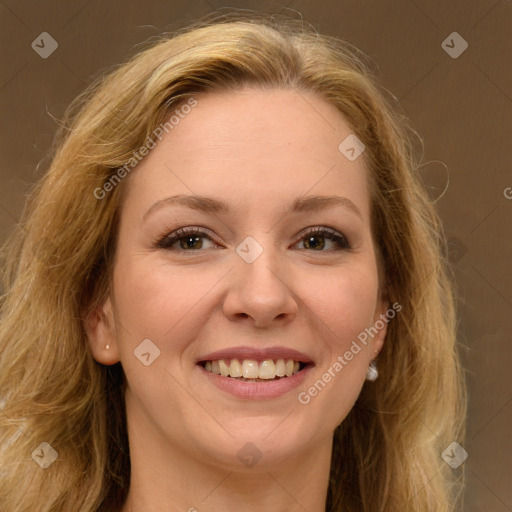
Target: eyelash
{"points": [[168, 240]]}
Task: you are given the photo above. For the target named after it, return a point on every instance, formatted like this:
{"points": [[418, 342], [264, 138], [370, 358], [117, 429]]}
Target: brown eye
{"points": [[189, 239], [315, 239]]}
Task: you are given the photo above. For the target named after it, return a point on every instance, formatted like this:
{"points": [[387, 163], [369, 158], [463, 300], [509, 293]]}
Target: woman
{"points": [[229, 290]]}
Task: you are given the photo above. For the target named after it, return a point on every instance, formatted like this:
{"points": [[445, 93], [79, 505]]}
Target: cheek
{"points": [[156, 300], [344, 310], [344, 302]]}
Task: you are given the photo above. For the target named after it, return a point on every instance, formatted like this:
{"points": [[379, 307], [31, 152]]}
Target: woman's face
{"points": [[253, 284]]}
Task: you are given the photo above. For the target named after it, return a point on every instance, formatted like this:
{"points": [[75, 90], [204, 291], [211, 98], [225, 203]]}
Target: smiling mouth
{"points": [[251, 370]]}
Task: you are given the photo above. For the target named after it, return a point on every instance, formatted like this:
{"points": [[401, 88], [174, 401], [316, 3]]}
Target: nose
{"points": [[260, 293]]}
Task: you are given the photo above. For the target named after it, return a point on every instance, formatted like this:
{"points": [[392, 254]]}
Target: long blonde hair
{"points": [[387, 452]]}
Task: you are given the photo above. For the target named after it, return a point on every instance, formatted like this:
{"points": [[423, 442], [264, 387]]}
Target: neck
{"points": [[166, 478]]}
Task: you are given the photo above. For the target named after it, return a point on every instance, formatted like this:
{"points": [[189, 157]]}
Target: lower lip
{"points": [[256, 390]]}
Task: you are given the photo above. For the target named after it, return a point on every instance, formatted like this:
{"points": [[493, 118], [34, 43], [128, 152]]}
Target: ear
{"points": [[100, 328], [381, 318]]}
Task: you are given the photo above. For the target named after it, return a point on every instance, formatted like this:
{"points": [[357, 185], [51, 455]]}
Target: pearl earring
{"points": [[372, 372]]}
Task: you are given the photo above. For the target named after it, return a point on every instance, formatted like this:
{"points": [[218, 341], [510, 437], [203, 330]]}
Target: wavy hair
{"points": [[58, 266]]}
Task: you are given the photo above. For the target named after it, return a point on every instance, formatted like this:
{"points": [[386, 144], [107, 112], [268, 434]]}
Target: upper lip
{"points": [[258, 354]]}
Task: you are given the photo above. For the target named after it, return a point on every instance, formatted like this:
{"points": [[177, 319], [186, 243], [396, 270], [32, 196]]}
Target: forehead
{"points": [[251, 145]]}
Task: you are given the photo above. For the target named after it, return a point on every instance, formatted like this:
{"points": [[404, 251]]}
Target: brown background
{"points": [[461, 107]]}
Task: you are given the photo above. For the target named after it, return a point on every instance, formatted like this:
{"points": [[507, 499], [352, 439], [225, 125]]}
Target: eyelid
{"points": [[177, 234], [324, 231]]}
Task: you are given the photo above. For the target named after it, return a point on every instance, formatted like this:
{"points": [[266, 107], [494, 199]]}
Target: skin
{"points": [[258, 150]]}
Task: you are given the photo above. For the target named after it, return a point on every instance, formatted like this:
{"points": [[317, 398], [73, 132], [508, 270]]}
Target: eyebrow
{"points": [[212, 205]]}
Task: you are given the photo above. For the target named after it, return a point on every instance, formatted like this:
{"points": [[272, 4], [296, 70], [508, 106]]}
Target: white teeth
{"points": [[280, 368], [251, 369], [224, 368], [215, 367], [267, 369], [235, 369]]}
